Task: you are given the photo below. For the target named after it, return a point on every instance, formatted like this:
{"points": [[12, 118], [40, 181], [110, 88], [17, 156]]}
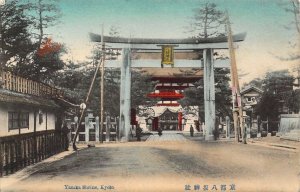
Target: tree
{"points": [[207, 21], [19, 53], [193, 99], [294, 101], [44, 14], [75, 81], [278, 95], [43, 56], [141, 85], [223, 92], [194, 96], [293, 7], [15, 38], [257, 82], [45, 62]]}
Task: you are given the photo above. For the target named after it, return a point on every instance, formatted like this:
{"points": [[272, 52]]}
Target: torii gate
{"points": [[189, 44]]}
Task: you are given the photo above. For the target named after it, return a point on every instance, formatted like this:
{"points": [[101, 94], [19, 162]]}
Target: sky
{"points": [[264, 22]]}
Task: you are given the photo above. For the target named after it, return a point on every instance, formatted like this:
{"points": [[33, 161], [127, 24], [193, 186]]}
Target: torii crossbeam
{"points": [[128, 45]]}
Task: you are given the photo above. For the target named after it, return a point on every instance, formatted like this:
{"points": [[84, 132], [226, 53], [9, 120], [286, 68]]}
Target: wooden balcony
{"points": [[22, 85]]}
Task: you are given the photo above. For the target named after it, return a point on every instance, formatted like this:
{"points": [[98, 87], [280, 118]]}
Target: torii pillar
{"points": [[125, 94], [207, 45], [209, 94]]}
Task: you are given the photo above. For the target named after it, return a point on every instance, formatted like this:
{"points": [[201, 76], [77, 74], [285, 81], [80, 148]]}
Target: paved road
{"points": [[169, 166]]}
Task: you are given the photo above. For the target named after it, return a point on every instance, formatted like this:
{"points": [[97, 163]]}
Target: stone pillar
{"points": [[107, 131], [124, 122], [209, 94], [227, 121], [97, 129], [117, 129], [87, 129]]}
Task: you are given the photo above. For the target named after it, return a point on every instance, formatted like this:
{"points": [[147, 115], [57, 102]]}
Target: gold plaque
{"points": [[167, 55]]}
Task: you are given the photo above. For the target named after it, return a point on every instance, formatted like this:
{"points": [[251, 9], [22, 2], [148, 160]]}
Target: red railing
{"points": [[166, 94]]}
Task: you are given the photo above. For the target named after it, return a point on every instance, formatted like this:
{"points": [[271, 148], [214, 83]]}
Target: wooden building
{"points": [[251, 96], [31, 116]]}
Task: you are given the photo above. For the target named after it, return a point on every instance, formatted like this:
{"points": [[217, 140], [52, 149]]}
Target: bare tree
{"points": [[293, 7]]}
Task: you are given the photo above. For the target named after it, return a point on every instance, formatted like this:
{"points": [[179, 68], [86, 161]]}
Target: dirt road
{"points": [[169, 166]]}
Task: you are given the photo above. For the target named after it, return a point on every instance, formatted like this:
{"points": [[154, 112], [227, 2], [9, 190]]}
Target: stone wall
{"points": [[288, 122]]}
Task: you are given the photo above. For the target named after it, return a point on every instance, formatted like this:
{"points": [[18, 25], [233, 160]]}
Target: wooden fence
{"points": [[23, 85], [19, 151]]}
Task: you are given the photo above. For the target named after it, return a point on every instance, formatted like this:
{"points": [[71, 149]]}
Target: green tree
{"points": [[45, 62], [41, 67], [278, 95], [257, 82], [207, 21], [15, 38], [75, 80], [194, 96], [43, 14], [141, 85], [294, 101]]}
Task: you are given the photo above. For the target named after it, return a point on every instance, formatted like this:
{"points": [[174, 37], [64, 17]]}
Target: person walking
{"points": [[65, 132], [159, 131], [192, 131], [138, 133]]}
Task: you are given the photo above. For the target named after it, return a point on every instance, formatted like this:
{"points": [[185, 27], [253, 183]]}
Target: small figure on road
{"points": [[159, 131], [65, 132], [192, 131], [138, 133]]}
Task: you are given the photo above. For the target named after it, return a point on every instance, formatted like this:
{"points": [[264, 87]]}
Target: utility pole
{"points": [[102, 85], [237, 107], [2, 3]]}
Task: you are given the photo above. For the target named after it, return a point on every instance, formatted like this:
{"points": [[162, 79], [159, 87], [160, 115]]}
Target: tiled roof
{"points": [[247, 89]]}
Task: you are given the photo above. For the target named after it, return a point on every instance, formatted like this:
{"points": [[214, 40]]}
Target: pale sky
{"points": [[263, 20]]}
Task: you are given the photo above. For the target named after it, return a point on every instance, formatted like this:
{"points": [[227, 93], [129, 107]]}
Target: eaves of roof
{"points": [[10, 97]]}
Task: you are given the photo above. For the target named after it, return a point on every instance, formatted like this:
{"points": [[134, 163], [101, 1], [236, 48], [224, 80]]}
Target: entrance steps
{"points": [[166, 136]]}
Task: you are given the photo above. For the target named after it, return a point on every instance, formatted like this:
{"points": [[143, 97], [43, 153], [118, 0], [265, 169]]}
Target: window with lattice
{"points": [[18, 120]]}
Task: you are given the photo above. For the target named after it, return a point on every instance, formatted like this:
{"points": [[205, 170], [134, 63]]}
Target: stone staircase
{"points": [[293, 135]]}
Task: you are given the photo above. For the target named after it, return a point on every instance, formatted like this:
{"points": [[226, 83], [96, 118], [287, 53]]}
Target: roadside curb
{"points": [[11, 179], [274, 145]]}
